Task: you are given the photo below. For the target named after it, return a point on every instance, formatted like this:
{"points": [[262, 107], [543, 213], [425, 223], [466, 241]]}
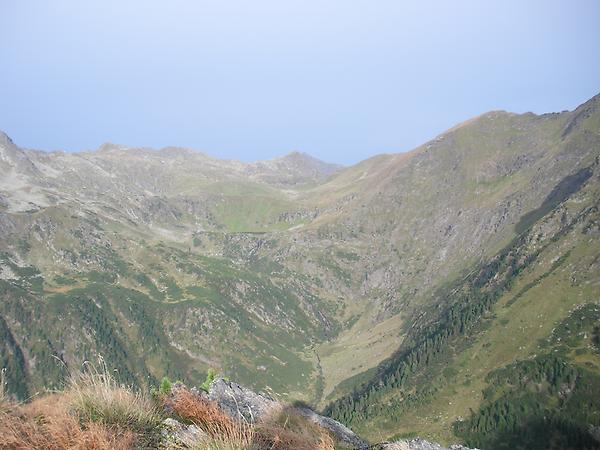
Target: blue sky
{"points": [[341, 80]]}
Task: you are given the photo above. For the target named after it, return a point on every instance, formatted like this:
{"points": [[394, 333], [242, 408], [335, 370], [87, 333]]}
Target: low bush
{"points": [[211, 374], [165, 386]]}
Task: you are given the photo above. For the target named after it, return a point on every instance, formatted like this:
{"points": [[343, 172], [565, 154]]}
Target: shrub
{"points": [[165, 386], [211, 374]]}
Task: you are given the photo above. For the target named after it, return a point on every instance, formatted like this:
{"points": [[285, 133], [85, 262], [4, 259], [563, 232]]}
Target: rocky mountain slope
{"points": [[314, 281], [520, 329]]}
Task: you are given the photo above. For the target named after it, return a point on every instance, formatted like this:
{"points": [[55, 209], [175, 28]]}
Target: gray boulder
{"points": [[177, 435]]}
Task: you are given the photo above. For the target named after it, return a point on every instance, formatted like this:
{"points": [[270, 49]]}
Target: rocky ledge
{"points": [[241, 403]]}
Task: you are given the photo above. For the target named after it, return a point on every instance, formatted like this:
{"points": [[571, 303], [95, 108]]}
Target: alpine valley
{"points": [[451, 292]]}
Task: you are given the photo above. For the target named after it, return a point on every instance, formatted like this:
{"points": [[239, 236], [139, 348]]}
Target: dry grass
{"points": [[222, 432], [284, 430], [96, 396], [93, 412], [47, 423]]}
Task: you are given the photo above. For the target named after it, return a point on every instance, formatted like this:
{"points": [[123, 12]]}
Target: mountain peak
{"points": [[297, 154], [5, 139], [292, 169], [14, 158], [302, 160], [109, 146]]}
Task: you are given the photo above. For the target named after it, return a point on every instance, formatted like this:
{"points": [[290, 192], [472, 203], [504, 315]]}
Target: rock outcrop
{"points": [[178, 435], [240, 402]]}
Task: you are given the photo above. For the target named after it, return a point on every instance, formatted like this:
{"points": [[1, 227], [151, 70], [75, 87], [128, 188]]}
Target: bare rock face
{"points": [[240, 402]]}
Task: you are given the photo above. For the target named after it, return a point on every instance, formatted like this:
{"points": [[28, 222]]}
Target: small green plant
{"points": [[211, 374], [165, 386]]}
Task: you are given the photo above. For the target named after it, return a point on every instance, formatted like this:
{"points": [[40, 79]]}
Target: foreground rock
{"points": [[178, 435], [240, 402]]}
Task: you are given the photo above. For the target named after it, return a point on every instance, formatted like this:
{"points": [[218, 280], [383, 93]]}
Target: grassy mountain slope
{"points": [[525, 308], [421, 220]]}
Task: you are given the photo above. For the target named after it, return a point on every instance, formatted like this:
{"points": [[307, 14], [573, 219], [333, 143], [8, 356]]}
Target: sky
{"points": [[253, 79]]}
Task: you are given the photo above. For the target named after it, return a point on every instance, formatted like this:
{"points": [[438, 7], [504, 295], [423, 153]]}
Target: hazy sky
{"points": [[342, 80]]}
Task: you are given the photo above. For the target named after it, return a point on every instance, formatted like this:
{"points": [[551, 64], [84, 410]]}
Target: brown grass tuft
{"points": [[222, 431], [96, 397], [94, 412], [46, 423]]}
